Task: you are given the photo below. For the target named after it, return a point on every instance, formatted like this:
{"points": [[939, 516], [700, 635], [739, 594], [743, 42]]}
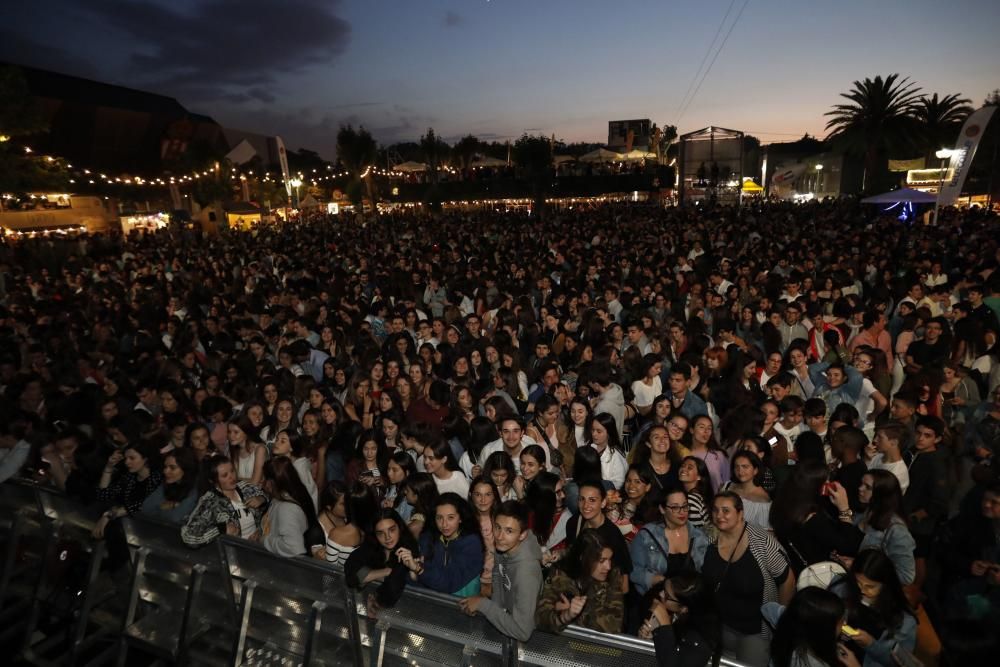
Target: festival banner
{"points": [[965, 151], [284, 165]]}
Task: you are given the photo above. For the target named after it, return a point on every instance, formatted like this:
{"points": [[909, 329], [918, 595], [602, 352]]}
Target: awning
{"points": [[601, 155], [901, 195], [750, 186]]}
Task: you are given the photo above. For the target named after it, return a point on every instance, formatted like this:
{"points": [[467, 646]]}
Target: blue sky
{"points": [[499, 68]]}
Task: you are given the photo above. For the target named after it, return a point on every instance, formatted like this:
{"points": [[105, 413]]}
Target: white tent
{"points": [[560, 159], [601, 155], [636, 154], [308, 202], [901, 195], [411, 167], [488, 162]]}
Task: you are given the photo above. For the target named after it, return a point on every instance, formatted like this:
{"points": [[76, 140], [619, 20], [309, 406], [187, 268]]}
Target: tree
{"points": [[992, 99], [879, 121], [533, 155], [660, 140], [435, 151], [939, 121], [20, 119], [465, 150], [356, 150]]}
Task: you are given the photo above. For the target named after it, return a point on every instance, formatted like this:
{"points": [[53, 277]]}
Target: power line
{"points": [[721, 46], [705, 57]]}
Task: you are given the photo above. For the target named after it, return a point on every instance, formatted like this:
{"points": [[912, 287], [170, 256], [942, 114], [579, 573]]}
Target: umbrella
{"points": [[410, 167], [901, 195], [636, 154], [601, 155]]}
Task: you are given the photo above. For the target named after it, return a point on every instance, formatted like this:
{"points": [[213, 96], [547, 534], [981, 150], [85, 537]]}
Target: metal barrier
{"points": [[291, 609], [182, 605], [427, 628]]}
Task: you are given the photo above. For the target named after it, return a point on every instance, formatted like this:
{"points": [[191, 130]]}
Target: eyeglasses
{"points": [[674, 426], [678, 509]]}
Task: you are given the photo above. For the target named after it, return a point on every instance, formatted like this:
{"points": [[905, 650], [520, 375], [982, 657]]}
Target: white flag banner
{"points": [[242, 153], [965, 151], [284, 165]]}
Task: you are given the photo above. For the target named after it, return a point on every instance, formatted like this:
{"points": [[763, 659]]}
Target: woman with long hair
{"points": [[744, 471], [634, 504], [578, 428], [420, 493], [283, 419], [883, 524], [802, 521], [439, 461], [583, 588], [248, 456], [343, 513], [684, 622], [532, 462], [375, 560], [130, 488], [451, 550], [546, 498], [369, 463], [605, 439], [482, 432], [483, 496], [705, 447], [400, 466], [289, 446], [359, 403], [667, 546], [290, 527], [174, 499], [808, 630], [694, 479], [654, 454], [877, 607], [499, 467]]}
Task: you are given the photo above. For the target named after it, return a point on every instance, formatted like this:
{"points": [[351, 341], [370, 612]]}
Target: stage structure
{"points": [[710, 165]]}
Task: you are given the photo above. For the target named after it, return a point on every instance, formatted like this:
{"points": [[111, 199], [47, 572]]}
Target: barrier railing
{"points": [[238, 604]]}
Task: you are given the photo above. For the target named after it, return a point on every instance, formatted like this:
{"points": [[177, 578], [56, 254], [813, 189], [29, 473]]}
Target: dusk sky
{"points": [[499, 68]]}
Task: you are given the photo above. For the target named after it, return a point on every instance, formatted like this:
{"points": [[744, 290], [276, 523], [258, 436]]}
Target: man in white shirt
{"points": [[888, 452], [513, 441]]}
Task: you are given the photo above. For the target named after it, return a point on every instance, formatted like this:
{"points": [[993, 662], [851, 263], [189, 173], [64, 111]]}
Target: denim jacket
{"points": [[648, 549], [897, 543]]}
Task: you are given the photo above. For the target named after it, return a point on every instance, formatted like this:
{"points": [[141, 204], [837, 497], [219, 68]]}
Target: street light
{"points": [[819, 177], [943, 155], [295, 183]]}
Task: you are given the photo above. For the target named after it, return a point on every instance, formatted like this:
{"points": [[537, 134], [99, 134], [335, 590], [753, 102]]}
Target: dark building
{"points": [[618, 134], [117, 129]]}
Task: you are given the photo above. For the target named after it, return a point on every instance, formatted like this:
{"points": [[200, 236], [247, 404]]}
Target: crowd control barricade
{"points": [[180, 605], [291, 610], [428, 628], [26, 536]]}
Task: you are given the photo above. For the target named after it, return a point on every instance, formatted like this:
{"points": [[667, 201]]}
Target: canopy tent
{"points": [[751, 187], [601, 155], [636, 154], [902, 195], [308, 202], [560, 159], [488, 162], [411, 167]]}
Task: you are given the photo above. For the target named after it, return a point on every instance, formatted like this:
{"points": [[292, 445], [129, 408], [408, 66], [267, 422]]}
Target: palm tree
{"points": [[940, 121], [878, 121], [356, 150]]}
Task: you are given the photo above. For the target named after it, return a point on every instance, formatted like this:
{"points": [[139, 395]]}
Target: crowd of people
{"points": [[767, 432]]}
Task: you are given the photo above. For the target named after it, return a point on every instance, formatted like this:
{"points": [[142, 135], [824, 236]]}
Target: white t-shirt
{"points": [[898, 469], [247, 524], [614, 467], [457, 483], [645, 394]]}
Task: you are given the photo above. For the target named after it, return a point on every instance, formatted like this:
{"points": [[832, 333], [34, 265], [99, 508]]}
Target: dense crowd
{"points": [[767, 432]]}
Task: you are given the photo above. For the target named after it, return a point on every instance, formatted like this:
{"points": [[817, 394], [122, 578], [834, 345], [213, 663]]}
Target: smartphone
{"points": [[849, 631]]}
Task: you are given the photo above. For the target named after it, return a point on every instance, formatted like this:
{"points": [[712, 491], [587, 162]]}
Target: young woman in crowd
{"points": [[654, 454], [127, 490], [397, 471], [289, 528], [247, 456], [694, 478], [532, 463], [483, 498], [451, 549], [705, 447], [174, 499], [500, 468], [604, 438], [583, 589], [635, 504], [546, 499], [343, 515], [882, 522], [439, 461], [668, 546], [376, 560], [482, 432], [239, 503], [744, 470], [288, 446], [368, 466], [421, 493]]}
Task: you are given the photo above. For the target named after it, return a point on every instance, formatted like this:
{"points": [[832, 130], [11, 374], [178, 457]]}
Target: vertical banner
{"points": [[284, 165], [175, 197], [965, 151]]}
